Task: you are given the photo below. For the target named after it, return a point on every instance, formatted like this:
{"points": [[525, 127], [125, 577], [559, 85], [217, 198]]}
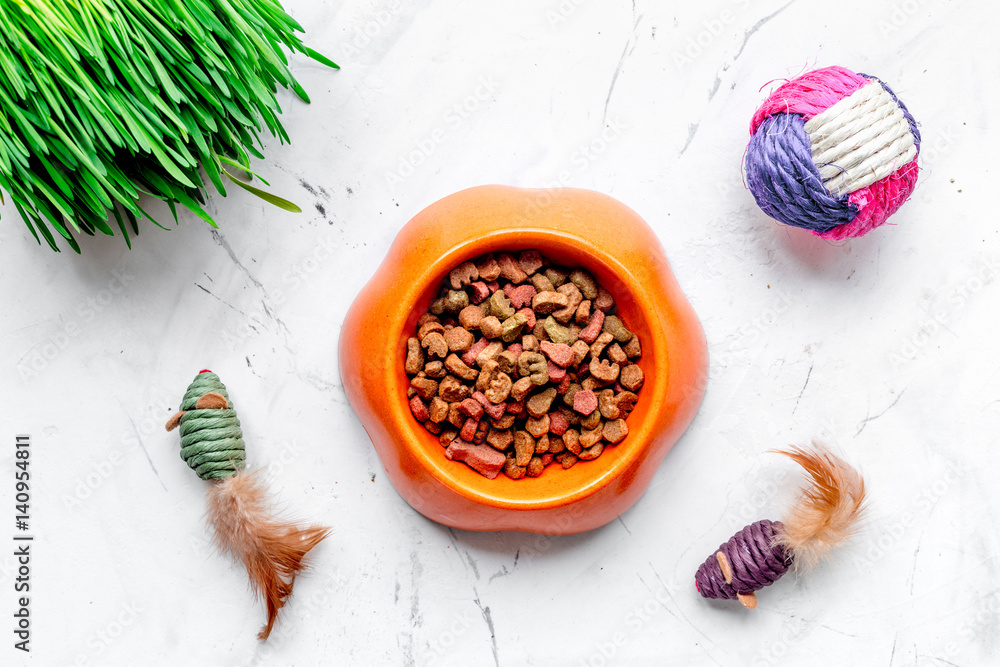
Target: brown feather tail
{"points": [[271, 549], [828, 509]]}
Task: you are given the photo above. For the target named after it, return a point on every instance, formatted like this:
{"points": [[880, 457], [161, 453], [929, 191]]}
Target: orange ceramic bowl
{"points": [[573, 228]]}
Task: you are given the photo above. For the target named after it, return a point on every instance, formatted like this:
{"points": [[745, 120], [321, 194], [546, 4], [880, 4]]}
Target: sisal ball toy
{"points": [[212, 445], [824, 516], [833, 152]]}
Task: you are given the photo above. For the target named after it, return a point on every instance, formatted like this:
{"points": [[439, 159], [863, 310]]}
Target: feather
{"points": [[271, 549], [828, 509]]}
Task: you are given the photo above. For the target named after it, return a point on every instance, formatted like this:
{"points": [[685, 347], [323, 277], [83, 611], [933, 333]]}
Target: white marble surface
{"points": [[885, 346]]}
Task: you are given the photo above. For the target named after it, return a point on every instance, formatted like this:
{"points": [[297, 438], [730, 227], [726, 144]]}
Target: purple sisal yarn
{"points": [[754, 559]]}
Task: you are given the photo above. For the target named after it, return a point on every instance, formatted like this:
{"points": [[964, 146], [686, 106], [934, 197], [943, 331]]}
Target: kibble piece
{"points": [[591, 421], [615, 431], [558, 422], [426, 387], [489, 353], [499, 306], [529, 343], [438, 409], [456, 366], [592, 452], [584, 402], [482, 458], [631, 377], [430, 327], [597, 347], [632, 349], [491, 327], [557, 333], [499, 439], [547, 302], [432, 426], [463, 274], [604, 301], [469, 357], [437, 306], [580, 351], [535, 467], [519, 390], [530, 261], [529, 318], [482, 428], [542, 284], [556, 445], [435, 369], [447, 436], [614, 326], [510, 269], [507, 361], [589, 383], [533, 365], [537, 426], [455, 301], [511, 328], [591, 436], [414, 356], [493, 410], [616, 354], [585, 282], [591, 332], [574, 298], [604, 372], [418, 409], [499, 388], [488, 268], [435, 344], [582, 316], [626, 400], [425, 318], [522, 296], [458, 339], [540, 403], [470, 317], [571, 439], [452, 390], [556, 276], [471, 408], [556, 373], [506, 421], [559, 353], [480, 292], [542, 443], [524, 447], [607, 404], [455, 415], [566, 460], [571, 393], [469, 429], [512, 470]]}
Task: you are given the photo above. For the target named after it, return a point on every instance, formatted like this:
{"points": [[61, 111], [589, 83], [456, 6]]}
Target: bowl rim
{"points": [[449, 473]]}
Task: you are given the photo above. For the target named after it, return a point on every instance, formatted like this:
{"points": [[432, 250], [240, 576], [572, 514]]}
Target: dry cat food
{"points": [[520, 363]]}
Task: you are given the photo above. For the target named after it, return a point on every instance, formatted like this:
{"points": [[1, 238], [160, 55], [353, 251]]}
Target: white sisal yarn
{"points": [[860, 139]]}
